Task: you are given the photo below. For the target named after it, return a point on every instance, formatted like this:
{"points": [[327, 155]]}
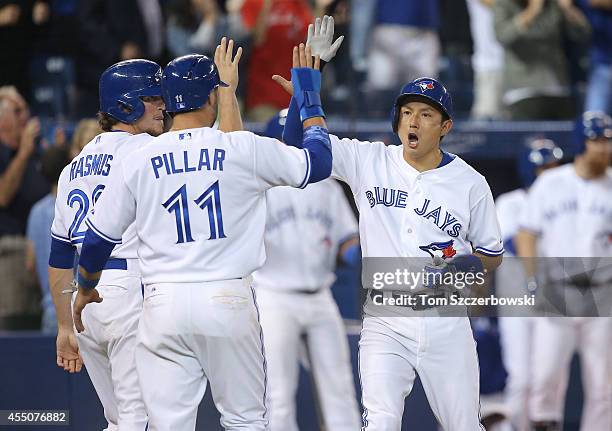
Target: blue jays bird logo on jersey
{"points": [[426, 85], [443, 249]]}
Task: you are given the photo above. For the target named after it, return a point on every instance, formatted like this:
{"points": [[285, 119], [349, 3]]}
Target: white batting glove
{"points": [[320, 37]]}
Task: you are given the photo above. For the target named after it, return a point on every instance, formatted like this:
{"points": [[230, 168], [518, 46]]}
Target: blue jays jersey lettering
{"points": [[83, 182], [304, 261], [443, 219], [560, 201], [91, 164], [201, 203], [407, 213], [181, 162], [387, 197]]}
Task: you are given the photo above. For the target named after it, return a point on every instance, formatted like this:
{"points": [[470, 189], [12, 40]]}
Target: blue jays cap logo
{"points": [[444, 249], [426, 85]]}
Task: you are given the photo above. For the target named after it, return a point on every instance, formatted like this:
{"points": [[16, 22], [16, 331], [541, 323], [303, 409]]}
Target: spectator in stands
{"points": [[362, 20], [599, 91], [536, 83], [404, 43], [52, 60], [21, 185], [111, 31], [198, 26], [275, 26], [456, 48], [487, 62], [84, 132], [39, 232], [18, 21]]}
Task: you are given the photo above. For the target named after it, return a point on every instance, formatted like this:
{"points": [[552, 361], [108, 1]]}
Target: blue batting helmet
{"points": [[188, 81], [540, 152], [276, 125], [124, 83], [426, 90], [592, 125]]}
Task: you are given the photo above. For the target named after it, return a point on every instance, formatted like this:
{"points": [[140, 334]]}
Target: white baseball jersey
{"points": [[81, 184], [407, 213], [442, 212], [560, 202], [201, 204], [509, 206], [303, 231]]}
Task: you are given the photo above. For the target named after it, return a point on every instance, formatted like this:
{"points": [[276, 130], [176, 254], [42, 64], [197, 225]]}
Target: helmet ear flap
{"points": [[128, 110]]}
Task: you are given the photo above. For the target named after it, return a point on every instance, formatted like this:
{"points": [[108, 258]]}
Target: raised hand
{"points": [[228, 66], [320, 37], [302, 57]]}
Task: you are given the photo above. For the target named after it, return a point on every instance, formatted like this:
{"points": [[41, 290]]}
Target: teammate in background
{"points": [[131, 112], [431, 198], [516, 332], [197, 198], [307, 232], [568, 213]]}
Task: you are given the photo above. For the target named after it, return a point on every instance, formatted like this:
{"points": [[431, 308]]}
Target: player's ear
{"points": [[447, 125]]}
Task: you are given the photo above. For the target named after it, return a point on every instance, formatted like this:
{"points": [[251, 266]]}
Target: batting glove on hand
{"points": [[320, 37], [434, 273]]}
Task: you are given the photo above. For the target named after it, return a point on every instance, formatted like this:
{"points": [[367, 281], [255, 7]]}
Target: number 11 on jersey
{"points": [[178, 204]]}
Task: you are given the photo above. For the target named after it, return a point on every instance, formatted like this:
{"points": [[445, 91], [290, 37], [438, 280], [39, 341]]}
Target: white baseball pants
{"points": [[555, 341], [107, 346], [441, 350], [194, 333], [286, 317]]}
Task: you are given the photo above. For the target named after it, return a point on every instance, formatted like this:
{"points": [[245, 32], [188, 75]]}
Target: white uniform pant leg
{"points": [[95, 357], [516, 340], [282, 330], [596, 365], [331, 363], [386, 373], [170, 373], [447, 365], [234, 360], [554, 342], [121, 351]]}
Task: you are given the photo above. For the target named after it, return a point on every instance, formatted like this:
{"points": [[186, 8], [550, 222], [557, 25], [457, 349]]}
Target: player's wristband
{"points": [[467, 263], [293, 132], [306, 88], [86, 282]]}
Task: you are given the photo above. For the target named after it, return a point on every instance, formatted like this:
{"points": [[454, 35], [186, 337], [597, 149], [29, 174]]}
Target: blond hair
{"points": [[84, 132]]}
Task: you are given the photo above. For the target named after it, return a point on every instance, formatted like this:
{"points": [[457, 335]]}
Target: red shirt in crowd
{"points": [[287, 27]]}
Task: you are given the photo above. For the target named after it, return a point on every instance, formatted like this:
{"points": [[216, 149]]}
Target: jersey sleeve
{"points": [[116, 208], [345, 224], [484, 232], [530, 218], [348, 157], [277, 164]]}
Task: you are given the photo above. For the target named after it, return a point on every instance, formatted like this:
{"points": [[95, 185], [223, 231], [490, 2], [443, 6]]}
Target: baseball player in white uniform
{"points": [[307, 232], [417, 201], [568, 213], [131, 110], [516, 332], [197, 197]]}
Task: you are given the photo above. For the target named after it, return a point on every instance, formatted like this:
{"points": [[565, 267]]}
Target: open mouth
{"points": [[413, 140]]}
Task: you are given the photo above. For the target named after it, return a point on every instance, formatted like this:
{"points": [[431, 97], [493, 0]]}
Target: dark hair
{"points": [[52, 162], [106, 122]]}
